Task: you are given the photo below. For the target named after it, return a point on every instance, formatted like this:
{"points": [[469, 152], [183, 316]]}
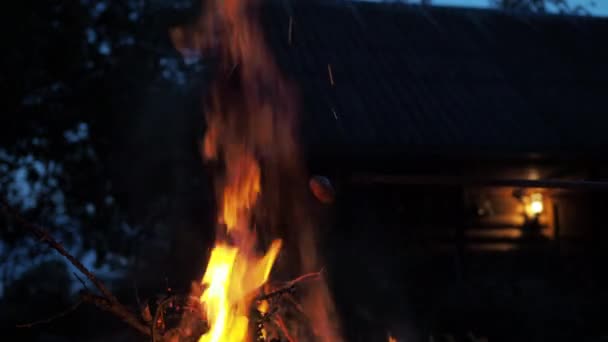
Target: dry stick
{"points": [[52, 318], [108, 302], [118, 310], [290, 285], [84, 285], [280, 291], [295, 304], [284, 291], [312, 275], [278, 321], [158, 316]]}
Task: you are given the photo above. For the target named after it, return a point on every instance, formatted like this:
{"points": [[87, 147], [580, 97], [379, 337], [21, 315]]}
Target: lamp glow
{"points": [[535, 205]]}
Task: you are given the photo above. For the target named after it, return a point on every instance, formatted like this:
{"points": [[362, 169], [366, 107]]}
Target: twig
{"points": [[290, 285], [43, 235], [52, 318], [276, 293], [117, 310], [107, 301], [84, 285], [278, 321], [312, 275], [158, 316], [295, 304]]}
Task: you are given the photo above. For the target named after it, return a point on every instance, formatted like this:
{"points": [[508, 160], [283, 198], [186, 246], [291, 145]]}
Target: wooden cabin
{"points": [[472, 126], [467, 151]]}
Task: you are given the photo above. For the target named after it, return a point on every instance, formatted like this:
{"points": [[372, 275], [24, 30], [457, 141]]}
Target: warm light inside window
{"points": [[537, 207], [534, 205]]}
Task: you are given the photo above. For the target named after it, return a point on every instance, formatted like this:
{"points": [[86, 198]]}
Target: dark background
{"points": [[99, 143]]}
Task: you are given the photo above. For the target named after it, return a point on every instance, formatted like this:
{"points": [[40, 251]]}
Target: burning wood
{"points": [[180, 317]]}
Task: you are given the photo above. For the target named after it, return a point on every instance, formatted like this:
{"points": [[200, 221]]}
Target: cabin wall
{"points": [[496, 219], [440, 257]]}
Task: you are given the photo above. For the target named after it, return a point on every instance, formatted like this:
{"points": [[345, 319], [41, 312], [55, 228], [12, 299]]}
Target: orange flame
{"points": [[234, 272], [251, 118], [240, 194]]}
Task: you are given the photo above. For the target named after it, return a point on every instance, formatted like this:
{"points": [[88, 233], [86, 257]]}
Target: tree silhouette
{"points": [[541, 6]]}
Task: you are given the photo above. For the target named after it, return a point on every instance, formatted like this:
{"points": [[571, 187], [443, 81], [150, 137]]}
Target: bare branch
{"points": [[290, 285], [307, 276], [44, 236], [84, 285], [117, 310], [283, 327], [52, 318], [107, 301]]}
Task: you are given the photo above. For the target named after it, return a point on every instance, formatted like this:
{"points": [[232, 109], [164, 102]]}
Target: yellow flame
{"points": [[215, 297], [230, 279], [242, 123]]}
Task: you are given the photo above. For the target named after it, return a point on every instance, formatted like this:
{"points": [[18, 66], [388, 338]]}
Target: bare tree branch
{"points": [[107, 301], [44, 237], [290, 285], [52, 318], [117, 310], [84, 285]]}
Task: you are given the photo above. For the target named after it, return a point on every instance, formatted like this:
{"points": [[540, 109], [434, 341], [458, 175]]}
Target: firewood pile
{"points": [[180, 318]]}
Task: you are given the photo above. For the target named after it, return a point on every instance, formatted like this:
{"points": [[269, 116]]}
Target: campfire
{"points": [[263, 280], [251, 142]]}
